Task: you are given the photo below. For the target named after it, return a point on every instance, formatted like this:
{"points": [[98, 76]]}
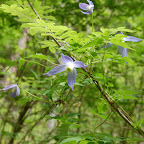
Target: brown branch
{"points": [[36, 123], [18, 125], [115, 106], [34, 9]]}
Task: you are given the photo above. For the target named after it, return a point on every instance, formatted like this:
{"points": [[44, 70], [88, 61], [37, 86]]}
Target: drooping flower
{"points": [[68, 66], [122, 50], [16, 90], [89, 8]]}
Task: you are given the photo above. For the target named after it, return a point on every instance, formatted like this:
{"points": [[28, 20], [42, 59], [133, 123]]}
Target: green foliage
{"points": [[72, 140], [47, 111]]}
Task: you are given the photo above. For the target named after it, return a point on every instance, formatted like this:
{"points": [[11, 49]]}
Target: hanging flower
{"points": [[89, 8], [68, 66], [122, 50], [16, 90]]}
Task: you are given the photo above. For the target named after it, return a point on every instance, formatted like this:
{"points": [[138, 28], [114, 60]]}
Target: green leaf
{"points": [[63, 130], [140, 123], [84, 142], [19, 2], [33, 31], [118, 40], [79, 84], [39, 56], [48, 43], [62, 83], [12, 63], [126, 94], [72, 140], [52, 49], [35, 74], [21, 62], [113, 31], [90, 44], [129, 60]]}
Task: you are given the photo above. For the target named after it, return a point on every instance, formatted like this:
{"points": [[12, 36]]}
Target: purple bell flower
{"points": [[16, 90], [68, 66], [122, 50], [89, 8]]}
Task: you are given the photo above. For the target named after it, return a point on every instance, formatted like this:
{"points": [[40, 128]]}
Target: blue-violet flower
{"points": [[68, 66], [122, 50], [89, 8], [16, 90]]}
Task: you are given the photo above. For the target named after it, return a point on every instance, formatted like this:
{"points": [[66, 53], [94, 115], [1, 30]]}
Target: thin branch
{"points": [[41, 19], [34, 9]]}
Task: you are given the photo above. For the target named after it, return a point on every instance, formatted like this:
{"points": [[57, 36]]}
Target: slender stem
{"points": [[34, 9], [41, 19], [103, 121], [92, 23], [35, 96]]}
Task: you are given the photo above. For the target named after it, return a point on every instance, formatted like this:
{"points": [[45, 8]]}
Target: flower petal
{"points": [[123, 51], [131, 38], [79, 64], [66, 59], [9, 87], [17, 91], [56, 70], [13, 94], [107, 45], [71, 78], [90, 2], [87, 12], [83, 6]]}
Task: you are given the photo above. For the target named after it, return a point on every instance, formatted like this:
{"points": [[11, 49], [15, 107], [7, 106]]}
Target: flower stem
{"points": [[92, 23], [40, 99]]}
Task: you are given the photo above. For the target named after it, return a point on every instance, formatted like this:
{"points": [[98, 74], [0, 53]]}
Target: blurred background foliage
{"points": [[57, 114]]}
